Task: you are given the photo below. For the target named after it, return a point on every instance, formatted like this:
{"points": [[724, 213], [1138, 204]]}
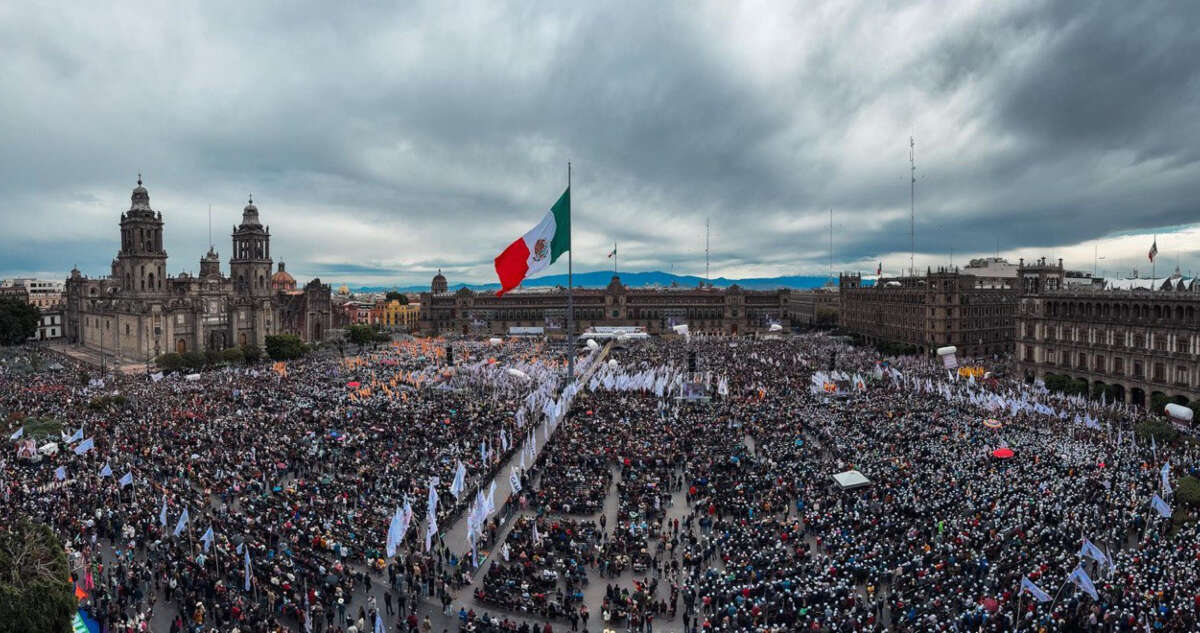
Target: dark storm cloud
{"points": [[383, 143]]}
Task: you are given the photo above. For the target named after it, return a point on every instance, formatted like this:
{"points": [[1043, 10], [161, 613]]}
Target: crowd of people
{"points": [[663, 497]]}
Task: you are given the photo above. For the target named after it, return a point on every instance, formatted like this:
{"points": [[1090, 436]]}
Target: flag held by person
{"points": [[85, 446], [60, 473], [76, 436], [1093, 552], [1161, 507], [207, 538], [246, 564], [395, 532], [106, 471], [181, 524], [514, 481], [16, 436], [1166, 473], [126, 479], [1080, 579], [538, 248], [1034, 590]]}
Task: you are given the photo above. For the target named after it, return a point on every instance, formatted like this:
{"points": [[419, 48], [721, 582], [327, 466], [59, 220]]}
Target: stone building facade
{"points": [[138, 311], [817, 307], [973, 310], [1130, 344], [729, 311]]}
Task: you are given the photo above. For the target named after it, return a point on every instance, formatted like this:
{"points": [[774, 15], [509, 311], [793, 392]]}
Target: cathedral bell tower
{"points": [[250, 266], [141, 264]]}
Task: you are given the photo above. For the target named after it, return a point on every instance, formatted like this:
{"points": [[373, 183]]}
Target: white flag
{"points": [[1093, 552], [182, 523], [76, 436], [16, 436], [156, 376], [460, 476], [162, 514], [1166, 473], [430, 531], [394, 536], [514, 481]]}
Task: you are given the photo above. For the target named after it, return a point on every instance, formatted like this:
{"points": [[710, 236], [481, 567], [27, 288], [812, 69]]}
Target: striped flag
{"points": [[614, 251], [1154, 249]]}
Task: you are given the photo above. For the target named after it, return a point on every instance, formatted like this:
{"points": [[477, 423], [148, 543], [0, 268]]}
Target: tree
{"points": [[284, 347], [393, 295], [1187, 492], [252, 353], [360, 334], [18, 321], [170, 362], [35, 590], [193, 360], [233, 355], [213, 357]]}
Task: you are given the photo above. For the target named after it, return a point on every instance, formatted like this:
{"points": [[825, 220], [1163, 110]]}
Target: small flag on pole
{"points": [[1034, 590], [614, 251], [181, 524], [1081, 579], [207, 538]]}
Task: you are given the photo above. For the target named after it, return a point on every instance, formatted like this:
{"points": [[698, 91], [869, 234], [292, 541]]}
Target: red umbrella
{"points": [[1002, 453], [354, 384], [990, 603]]}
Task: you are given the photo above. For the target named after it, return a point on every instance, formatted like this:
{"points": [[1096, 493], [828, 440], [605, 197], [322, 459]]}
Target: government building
{"points": [[971, 308], [730, 311], [138, 311], [1133, 340]]}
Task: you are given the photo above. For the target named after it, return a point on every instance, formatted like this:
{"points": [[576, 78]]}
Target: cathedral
{"points": [[138, 312]]}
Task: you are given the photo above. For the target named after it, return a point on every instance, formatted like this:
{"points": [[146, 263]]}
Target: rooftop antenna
{"points": [[912, 206], [706, 280]]}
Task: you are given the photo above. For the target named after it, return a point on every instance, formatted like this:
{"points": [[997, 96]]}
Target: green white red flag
{"points": [[538, 248]]}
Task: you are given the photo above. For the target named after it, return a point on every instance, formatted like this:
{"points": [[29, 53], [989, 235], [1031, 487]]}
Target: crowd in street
{"points": [[644, 508]]}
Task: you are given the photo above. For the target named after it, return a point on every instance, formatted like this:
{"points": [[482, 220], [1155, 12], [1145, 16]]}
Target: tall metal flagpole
{"points": [[570, 290]]}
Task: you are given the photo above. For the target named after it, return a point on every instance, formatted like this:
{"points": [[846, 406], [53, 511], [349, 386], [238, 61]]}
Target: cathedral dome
{"points": [[283, 280], [439, 283], [250, 214], [140, 198]]}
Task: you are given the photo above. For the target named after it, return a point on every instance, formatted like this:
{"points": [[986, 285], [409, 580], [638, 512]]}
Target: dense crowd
{"points": [[644, 508]]}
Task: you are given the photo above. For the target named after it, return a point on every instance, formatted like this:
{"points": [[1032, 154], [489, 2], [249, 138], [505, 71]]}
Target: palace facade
{"points": [[728, 311], [138, 311], [971, 308], [1130, 344]]}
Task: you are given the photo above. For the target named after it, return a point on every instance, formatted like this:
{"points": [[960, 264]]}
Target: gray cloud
{"points": [[383, 143]]}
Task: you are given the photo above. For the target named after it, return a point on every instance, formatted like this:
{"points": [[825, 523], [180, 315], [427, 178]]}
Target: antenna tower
{"points": [[706, 280], [912, 207]]}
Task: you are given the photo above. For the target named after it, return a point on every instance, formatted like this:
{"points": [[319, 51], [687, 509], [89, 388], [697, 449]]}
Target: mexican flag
{"points": [[538, 248]]}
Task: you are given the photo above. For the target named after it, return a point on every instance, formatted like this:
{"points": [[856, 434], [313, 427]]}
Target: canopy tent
{"points": [[851, 479]]}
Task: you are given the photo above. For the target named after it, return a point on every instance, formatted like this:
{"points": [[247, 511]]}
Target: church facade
{"points": [[138, 312]]}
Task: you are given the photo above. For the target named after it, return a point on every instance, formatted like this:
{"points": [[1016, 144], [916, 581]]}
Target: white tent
{"points": [[851, 479]]}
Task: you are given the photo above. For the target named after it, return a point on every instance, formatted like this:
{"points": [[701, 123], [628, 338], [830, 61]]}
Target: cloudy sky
{"points": [[383, 142]]}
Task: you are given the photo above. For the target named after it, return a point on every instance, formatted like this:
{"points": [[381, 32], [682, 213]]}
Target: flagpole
{"points": [[570, 292]]}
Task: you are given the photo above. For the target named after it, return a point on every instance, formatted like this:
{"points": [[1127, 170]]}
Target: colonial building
{"points": [[972, 308], [817, 307], [45, 294], [730, 311], [138, 311], [1131, 344]]}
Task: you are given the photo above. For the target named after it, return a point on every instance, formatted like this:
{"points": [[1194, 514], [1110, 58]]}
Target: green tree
{"points": [[35, 590], [252, 353], [169, 362], [360, 334], [193, 360], [1187, 492], [18, 321], [1158, 402], [393, 295], [213, 357], [233, 355], [284, 347]]}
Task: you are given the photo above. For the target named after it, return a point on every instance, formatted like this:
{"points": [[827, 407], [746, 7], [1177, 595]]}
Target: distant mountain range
{"points": [[601, 279]]}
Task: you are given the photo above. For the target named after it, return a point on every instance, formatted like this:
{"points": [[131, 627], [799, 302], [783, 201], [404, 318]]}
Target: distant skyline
{"points": [[384, 142]]}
